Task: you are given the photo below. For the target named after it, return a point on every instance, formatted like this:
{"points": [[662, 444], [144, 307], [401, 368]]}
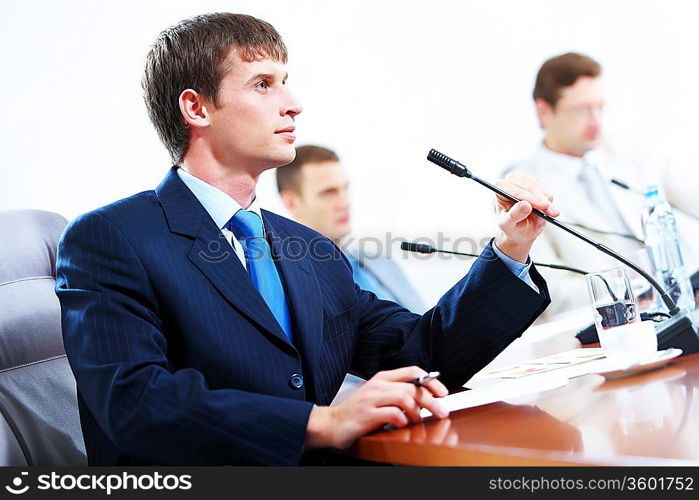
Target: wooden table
{"points": [[646, 419]]}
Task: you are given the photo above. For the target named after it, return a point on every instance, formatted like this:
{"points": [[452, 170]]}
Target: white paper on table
{"points": [[499, 392], [546, 364]]}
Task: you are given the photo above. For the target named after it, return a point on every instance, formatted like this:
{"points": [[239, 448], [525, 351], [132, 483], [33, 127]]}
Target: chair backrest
{"points": [[39, 420]]}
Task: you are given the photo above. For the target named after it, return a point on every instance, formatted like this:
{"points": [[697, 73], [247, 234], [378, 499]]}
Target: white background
{"points": [[382, 82]]}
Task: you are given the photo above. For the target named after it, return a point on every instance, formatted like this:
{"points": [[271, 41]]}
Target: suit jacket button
{"points": [[296, 381]]}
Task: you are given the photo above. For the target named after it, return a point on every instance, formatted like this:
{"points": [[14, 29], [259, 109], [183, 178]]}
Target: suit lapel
{"points": [[302, 291], [212, 255], [227, 274]]}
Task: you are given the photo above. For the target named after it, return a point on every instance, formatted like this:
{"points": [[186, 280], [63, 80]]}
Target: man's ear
{"points": [[544, 111], [291, 200], [193, 108]]}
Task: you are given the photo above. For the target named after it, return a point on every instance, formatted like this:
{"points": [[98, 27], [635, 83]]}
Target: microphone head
{"points": [[416, 247], [447, 163], [622, 185]]}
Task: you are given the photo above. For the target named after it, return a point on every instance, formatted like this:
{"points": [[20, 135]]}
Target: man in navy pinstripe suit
{"points": [[178, 356]]}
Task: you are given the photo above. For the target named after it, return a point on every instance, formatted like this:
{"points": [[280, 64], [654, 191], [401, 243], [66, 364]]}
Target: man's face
{"points": [[323, 201], [574, 125], [252, 128]]}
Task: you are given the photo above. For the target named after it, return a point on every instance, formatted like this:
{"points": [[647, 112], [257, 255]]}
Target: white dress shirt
{"points": [[220, 207]]}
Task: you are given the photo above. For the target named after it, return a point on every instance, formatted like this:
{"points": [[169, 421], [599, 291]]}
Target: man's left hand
{"points": [[519, 227]]}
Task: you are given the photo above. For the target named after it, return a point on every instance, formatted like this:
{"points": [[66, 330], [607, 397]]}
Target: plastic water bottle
{"points": [[663, 246]]}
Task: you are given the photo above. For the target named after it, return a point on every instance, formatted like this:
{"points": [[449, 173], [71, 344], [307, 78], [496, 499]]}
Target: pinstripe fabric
{"points": [[178, 360]]}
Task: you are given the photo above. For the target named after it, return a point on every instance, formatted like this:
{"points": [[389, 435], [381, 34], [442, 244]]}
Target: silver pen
{"points": [[420, 381]]}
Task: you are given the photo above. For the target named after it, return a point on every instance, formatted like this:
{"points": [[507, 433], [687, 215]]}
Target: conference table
{"points": [[650, 418]]}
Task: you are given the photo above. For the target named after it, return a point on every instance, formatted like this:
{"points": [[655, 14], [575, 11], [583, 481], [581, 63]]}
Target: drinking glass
{"points": [[624, 338]]}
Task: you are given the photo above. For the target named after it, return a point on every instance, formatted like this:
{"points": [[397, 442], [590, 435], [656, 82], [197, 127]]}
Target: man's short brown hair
{"points": [[192, 55], [288, 176], [563, 71]]}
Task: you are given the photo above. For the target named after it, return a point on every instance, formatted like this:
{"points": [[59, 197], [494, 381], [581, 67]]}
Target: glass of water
{"points": [[613, 299], [617, 319]]}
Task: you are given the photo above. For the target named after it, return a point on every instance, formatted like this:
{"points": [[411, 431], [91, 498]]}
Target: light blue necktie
{"points": [[247, 228]]}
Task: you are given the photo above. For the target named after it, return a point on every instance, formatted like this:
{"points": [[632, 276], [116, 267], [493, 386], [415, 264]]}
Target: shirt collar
{"points": [[218, 204]]}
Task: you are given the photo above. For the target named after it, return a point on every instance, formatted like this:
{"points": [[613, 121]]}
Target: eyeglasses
{"points": [[585, 110]]}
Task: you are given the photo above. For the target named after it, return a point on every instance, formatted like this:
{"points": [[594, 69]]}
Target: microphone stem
{"points": [[666, 298], [410, 248]]}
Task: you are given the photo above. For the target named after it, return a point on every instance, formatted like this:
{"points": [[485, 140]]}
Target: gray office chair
{"points": [[39, 420]]}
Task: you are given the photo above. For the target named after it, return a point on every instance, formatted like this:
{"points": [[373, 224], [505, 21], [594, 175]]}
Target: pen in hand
{"points": [[420, 381]]}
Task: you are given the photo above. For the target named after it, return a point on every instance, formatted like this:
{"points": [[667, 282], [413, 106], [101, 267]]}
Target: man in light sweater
{"points": [[574, 159]]}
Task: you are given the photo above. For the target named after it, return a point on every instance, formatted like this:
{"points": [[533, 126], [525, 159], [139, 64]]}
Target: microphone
{"points": [[676, 328], [460, 170], [626, 187], [623, 185], [587, 334], [424, 248]]}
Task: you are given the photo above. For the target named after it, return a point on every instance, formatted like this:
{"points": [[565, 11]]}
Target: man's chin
{"points": [[280, 160], [593, 142], [587, 146], [341, 232]]}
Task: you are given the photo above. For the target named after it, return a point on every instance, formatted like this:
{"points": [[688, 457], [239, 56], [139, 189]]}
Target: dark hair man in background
{"points": [[574, 158], [315, 190], [202, 329]]}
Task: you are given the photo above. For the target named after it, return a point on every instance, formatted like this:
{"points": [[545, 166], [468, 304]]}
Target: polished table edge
{"points": [[383, 446]]}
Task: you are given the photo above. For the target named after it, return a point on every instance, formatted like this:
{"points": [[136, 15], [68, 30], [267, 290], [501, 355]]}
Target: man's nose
{"points": [[292, 106], [344, 199], [595, 113]]}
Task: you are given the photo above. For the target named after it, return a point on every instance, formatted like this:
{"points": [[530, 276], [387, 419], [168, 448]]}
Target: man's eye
{"points": [[262, 85]]}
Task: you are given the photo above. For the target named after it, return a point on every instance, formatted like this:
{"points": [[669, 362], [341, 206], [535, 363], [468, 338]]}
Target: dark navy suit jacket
{"points": [[178, 360]]}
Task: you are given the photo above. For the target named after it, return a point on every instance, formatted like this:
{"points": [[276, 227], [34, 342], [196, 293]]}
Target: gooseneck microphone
{"points": [[425, 248], [626, 187], [623, 185], [460, 170], [586, 334]]}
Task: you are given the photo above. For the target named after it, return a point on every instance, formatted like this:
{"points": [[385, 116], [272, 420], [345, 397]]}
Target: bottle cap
{"points": [[651, 190]]}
